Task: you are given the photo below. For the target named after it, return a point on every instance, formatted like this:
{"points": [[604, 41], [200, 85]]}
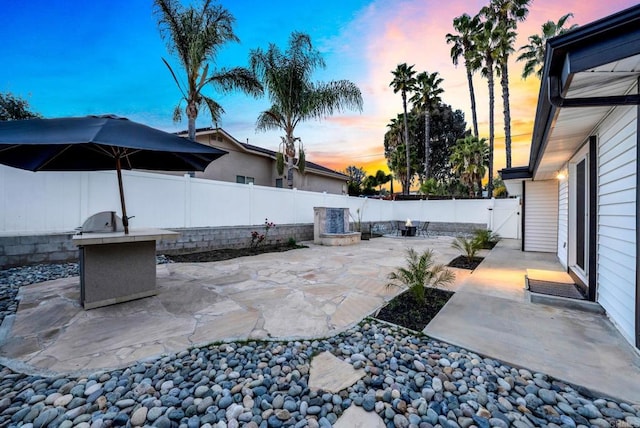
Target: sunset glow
{"points": [[57, 58]]}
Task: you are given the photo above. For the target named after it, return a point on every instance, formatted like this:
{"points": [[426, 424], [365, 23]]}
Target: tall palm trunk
{"points": [[472, 93], [504, 81], [290, 152], [405, 189], [491, 124], [192, 115], [427, 142]]}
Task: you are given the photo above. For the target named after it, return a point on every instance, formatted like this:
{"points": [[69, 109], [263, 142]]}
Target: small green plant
{"points": [[357, 220], [258, 239], [469, 247], [486, 239], [291, 242], [421, 272]]}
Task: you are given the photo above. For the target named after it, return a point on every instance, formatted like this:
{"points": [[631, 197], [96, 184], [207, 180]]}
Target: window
{"points": [[279, 183], [245, 180]]}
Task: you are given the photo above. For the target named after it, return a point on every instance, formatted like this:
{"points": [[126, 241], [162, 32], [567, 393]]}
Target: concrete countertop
{"points": [[135, 235]]}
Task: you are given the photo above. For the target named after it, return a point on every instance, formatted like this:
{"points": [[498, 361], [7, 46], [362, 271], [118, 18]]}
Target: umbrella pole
{"points": [[125, 219]]}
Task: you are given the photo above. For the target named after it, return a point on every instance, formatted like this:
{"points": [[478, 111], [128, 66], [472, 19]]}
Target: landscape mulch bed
{"points": [[230, 253], [463, 262], [404, 310]]}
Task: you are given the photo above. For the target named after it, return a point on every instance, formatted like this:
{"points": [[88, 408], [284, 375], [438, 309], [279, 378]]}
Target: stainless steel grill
{"points": [[102, 222]]}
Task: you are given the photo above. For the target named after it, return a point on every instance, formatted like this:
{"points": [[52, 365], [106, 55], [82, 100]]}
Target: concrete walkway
{"points": [[491, 314]]}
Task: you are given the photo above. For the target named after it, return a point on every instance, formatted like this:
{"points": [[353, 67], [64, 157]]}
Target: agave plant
{"points": [[467, 246], [421, 272]]}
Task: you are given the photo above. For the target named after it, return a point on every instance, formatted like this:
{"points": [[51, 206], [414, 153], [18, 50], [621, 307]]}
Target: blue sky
{"points": [[74, 58]]}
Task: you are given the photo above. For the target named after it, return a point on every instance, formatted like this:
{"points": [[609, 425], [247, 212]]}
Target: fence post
{"points": [[492, 205], [251, 203], [187, 200], [84, 197], [295, 205]]}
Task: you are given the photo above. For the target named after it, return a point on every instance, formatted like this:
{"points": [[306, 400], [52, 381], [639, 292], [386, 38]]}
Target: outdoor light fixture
{"points": [[561, 175]]}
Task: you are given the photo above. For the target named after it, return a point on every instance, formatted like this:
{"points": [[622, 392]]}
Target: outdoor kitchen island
{"points": [[116, 267]]}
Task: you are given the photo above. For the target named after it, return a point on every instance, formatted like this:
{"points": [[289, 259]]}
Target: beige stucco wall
{"points": [[237, 162], [319, 183], [261, 168]]}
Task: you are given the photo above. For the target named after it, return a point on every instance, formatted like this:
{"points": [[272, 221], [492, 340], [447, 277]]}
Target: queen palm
{"points": [[533, 53], [426, 98], [196, 36], [392, 146], [295, 98], [506, 14], [487, 42], [381, 178], [469, 160], [463, 46], [403, 82]]}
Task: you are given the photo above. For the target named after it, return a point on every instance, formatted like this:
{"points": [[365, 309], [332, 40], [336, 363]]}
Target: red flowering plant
{"points": [[257, 238]]}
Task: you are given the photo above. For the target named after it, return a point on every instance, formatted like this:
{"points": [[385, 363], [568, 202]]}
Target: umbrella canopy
{"points": [[95, 143]]}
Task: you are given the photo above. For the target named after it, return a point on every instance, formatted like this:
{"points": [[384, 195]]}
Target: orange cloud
{"points": [[381, 37]]}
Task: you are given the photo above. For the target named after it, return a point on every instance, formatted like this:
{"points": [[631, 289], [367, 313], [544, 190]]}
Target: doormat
{"points": [[558, 289]]}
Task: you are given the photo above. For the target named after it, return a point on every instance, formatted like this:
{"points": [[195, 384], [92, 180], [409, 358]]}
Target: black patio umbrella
{"points": [[98, 143]]}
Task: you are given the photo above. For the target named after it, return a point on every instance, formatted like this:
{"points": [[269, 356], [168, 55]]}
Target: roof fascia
{"points": [[579, 50]]}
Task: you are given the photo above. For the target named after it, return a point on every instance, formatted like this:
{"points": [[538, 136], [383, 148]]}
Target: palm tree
{"points": [[463, 46], [469, 160], [392, 146], [294, 97], [533, 53], [196, 37], [403, 82], [487, 42], [421, 272], [506, 14], [381, 179], [426, 98]]}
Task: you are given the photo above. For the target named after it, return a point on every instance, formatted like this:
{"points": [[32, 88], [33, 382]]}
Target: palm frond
{"points": [[227, 80], [270, 119], [177, 114], [421, 272], [213, 107], [175, 78]]}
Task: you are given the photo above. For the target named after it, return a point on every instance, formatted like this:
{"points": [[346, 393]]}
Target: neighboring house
{"points": [[581, 187], [246, 163]]}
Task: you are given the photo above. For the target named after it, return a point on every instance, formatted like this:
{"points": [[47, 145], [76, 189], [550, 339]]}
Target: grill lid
{"points": [[105, 221]]}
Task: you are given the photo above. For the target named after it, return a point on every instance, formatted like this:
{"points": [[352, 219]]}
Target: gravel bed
{"points": [[411, 381]]}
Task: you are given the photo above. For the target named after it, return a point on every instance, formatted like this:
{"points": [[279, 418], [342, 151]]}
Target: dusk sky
{"points": [[75, 58]]}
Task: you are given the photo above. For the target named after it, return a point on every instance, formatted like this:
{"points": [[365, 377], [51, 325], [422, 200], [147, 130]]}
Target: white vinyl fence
{"points": [[61, 201]]}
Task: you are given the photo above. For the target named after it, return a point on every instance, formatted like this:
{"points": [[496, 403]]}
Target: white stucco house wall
{"points": [[581, 187]]}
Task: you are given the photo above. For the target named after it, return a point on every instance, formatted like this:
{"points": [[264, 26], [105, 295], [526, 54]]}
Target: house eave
{"points": [[516, 173], [583, 54], [310, 166]]}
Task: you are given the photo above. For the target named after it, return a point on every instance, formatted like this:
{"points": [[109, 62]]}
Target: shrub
{"points": [[486, 239], [257, 238], [467, 246], [420, 273]]}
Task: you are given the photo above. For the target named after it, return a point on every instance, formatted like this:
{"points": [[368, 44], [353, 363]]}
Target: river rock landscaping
{"points": [[410, 381]]}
